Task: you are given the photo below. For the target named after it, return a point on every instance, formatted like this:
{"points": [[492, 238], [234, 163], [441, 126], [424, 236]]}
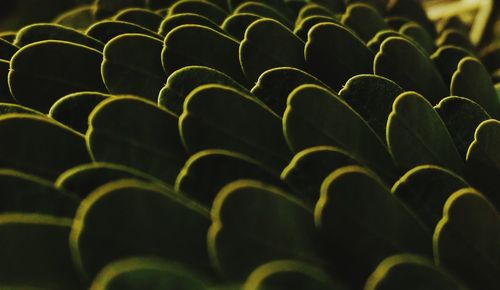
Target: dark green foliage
{"points": [[125, 71], [237, 24], [143, 17], [61, 68], [116, 134], [204, 8], [288, 274], [74, 109], [401, 61], [418, 34], [268, 44], [147, 273], [238, 243], [425, 190], [5, 95], [35, 254], [78, 18], [416, 135], [471, 80], [461, 116], [84, 179], [413, 271], [446, 59], [183, 81], [325, 49], [190, 45], [29, 194], [263, 10], [7, 49], [302, 28], [483, 160], [248, 145], [274, 86], [357, 211], [206, 172], [311, 166], [41, 32], [111, 224], [108, 29], [467, 239], [169, 23], [364, 20], [107, 8], [371, 96], [47, 151], [211, 119], [315, 116]]}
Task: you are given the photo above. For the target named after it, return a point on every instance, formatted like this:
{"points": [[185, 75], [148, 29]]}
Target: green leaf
{"points": [[49, 31], [107, 8], [472, 80], [74, 109], [425, 190], [263, 10], [364, 20], [39, 146], [181, 82], [483, 160], [302, 28], [203, 8], [5, 95], [80, 17], [236, 24], [189, 45], [128, 218], [24, 193], [315, 117], [212, 119], [108, 29], [176, 20], [379, 5], [238, 243], [371, 96], [116, 134], [140, 16], [40, 75], [9, 108], [35, 254], [290, 274], [274, 86], [455, 38], [328, 59], [414, 272], [418, 34], [7, 49], [311, 166], [268, 44], [147, 273], [125, 71], [336, 6], [376, 42], [467, 239], [83, 179], [9, 36], [446, 59], [312, 9], [356, 211], [401, 61], [206, 172], [461, 117], [413, 10], [416, 135]]}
